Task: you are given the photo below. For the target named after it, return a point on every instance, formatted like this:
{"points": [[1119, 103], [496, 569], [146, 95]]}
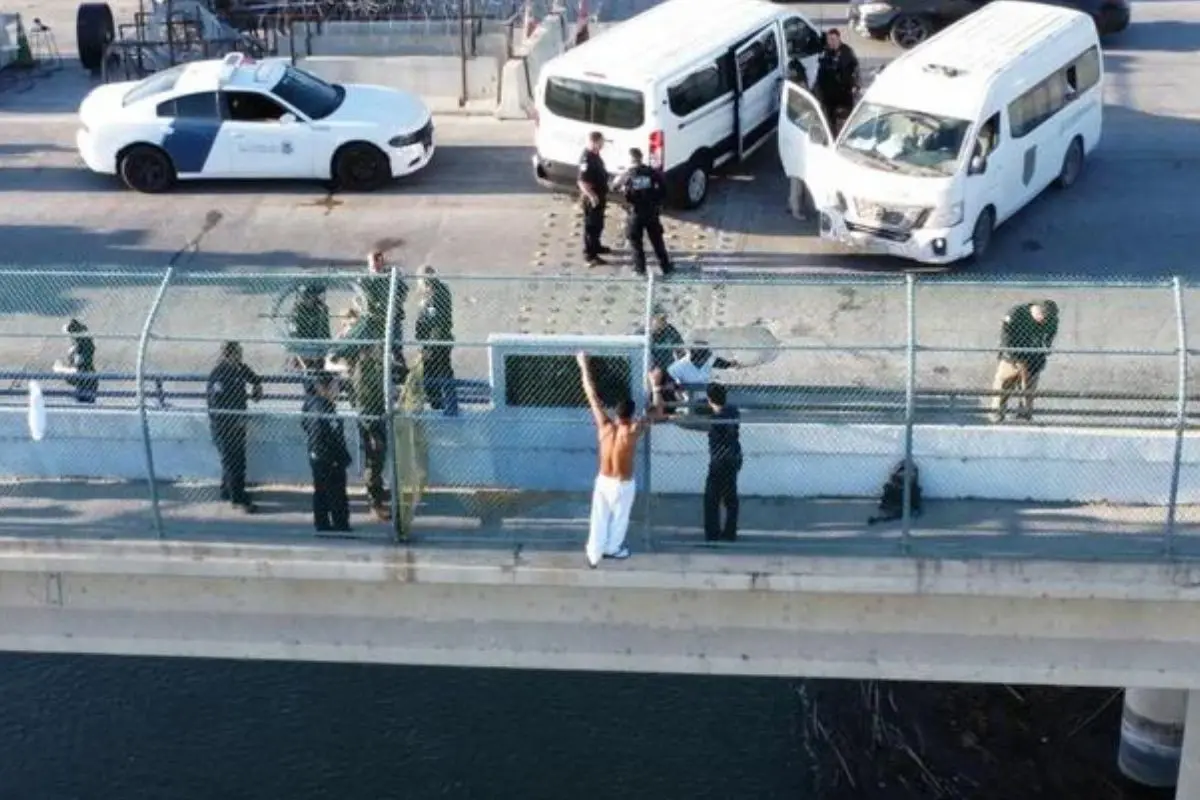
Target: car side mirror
{"points": [[287, 119], [978, 165]]}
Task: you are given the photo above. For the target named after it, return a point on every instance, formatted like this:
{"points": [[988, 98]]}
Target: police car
{"points": [[240, 118]]}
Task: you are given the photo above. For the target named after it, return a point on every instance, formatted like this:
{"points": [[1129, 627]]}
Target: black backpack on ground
{"points": [[891, 499]]}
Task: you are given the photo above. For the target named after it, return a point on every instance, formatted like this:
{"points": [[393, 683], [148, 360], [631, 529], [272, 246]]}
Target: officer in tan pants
{"points": [[1028, 327]]}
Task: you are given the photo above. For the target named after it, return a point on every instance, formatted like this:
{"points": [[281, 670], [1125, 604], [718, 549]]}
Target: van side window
{"points": [[697, 90], [800, 40], [989, 137], [758, 60], [802, 114], [1055, 93]]}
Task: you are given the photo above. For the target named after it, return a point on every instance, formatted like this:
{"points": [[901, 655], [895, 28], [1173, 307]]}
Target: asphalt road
{"points": [[477, 211]]}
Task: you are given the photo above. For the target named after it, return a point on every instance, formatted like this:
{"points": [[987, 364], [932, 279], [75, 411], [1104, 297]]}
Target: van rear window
{"points": [[595, 103]]}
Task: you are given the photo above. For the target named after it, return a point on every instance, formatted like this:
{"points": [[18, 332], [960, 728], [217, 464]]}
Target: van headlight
{"points": [[945, 216]]}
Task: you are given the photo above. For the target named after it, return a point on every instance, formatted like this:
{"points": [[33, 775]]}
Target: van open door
{"points": [[806, 142]]}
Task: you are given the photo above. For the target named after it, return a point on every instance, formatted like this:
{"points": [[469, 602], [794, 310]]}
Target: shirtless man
{"points": [[612, 498]]}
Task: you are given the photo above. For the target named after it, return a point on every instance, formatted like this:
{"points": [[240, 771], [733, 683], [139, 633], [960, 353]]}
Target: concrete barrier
{"points": [[519, 77], [430, 77], [10, 31], [523, 451]]}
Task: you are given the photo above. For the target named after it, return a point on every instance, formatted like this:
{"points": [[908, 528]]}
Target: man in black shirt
{"points": [[80, 363], [644, 191], [1027, 326], [593, 186], [328, 456], [226, 396], [837, 79], [724, 464]]}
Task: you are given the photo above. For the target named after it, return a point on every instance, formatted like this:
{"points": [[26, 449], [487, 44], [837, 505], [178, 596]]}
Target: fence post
{"points": [[1180, 417], [140, 395], [647, 360], [389, 406], [910, 379]]}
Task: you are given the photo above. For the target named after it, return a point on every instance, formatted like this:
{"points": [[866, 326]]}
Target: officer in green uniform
{"points": [[309, 328], [1030, 326], [435, 323], [368, 393]]}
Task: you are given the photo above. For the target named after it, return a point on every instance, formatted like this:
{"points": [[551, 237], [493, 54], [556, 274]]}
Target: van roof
{"points": [[951, 74], [650, 45]]}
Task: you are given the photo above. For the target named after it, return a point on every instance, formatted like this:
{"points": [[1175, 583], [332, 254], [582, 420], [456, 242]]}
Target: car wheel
{"points": [[693, 185], [147, 169], [909, 30], [361, 167], [981, 234], [1072, 165]]}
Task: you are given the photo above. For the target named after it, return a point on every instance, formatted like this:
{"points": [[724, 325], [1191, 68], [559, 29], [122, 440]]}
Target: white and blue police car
{"points": [[240, 118]]}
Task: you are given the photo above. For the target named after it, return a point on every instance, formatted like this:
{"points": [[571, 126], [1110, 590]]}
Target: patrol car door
{"points": [[759, 76], [264, 139], [806, 142]]}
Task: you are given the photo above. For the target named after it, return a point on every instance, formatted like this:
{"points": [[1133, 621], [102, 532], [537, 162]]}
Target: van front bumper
{"points": [[925, 245], [555, 174]]}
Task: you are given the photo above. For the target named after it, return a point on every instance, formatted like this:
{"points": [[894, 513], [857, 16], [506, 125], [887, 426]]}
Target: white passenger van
{"points": [[693, 83], [954, 136]]}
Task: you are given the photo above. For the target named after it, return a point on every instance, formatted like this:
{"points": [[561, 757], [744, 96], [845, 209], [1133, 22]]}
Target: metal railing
{"points": [[896, 357]]}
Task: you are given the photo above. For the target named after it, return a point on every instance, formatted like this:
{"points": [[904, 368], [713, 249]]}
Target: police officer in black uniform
{"points": [[226, 397], [328, 455], [837, 79], [593, 186], [644, 191]]}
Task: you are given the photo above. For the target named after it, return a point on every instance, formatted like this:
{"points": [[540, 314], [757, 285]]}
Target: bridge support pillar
{"points": [[1153, 751]]}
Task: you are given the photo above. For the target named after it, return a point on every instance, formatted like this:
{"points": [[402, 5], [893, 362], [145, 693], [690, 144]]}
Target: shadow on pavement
{"points": [[558, 522]]}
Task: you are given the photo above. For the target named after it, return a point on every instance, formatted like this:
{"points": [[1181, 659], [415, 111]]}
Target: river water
{"points": [[84, 728]]}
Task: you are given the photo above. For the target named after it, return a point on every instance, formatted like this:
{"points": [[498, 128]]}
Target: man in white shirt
{"points": [[695, 369]]}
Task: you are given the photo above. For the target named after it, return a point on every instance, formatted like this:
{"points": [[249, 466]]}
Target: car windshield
{"points": [[156, 84], [904, 141], [315, 98], [595, 103]]}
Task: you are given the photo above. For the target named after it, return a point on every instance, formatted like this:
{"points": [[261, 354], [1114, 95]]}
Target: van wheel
{"points": [[693, 187], [909, 30], [1072, 166], [981, 234]]}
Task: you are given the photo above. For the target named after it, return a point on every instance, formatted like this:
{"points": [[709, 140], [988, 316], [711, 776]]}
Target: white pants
{"points": [[612, 502]]}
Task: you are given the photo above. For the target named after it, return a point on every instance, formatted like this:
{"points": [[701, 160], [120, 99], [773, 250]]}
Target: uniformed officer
{"points": [[644, 191], [724, 464], [80, 363], [593, 187], [309, 328], [226, 398], [371, 297], [328, 455], [369, 396], [1029, 326], [837, 79], [435, 323]]}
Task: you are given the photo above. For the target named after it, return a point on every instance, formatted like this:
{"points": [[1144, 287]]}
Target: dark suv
{"points": [[909, 22]]}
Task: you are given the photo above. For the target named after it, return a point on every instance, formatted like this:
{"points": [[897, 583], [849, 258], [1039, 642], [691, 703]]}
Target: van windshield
{"points": [[595, 103], [904, 141]]}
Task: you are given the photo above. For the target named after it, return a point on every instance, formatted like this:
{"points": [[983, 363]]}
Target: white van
{"points": [[693, 83], [955, 136]]}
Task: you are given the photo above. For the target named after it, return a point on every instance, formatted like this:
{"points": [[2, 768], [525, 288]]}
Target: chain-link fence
{"points": [[1038, 418]]}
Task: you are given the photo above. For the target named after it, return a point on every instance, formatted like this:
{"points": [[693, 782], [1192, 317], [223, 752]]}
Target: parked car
{"points": [[240, 118], [909, 22]]}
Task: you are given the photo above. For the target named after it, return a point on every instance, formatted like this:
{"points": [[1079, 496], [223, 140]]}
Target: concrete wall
{"points": [[420, 57], [520, 74], [9, 32], [431, 77], [545, 452], [1099, 624]]}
